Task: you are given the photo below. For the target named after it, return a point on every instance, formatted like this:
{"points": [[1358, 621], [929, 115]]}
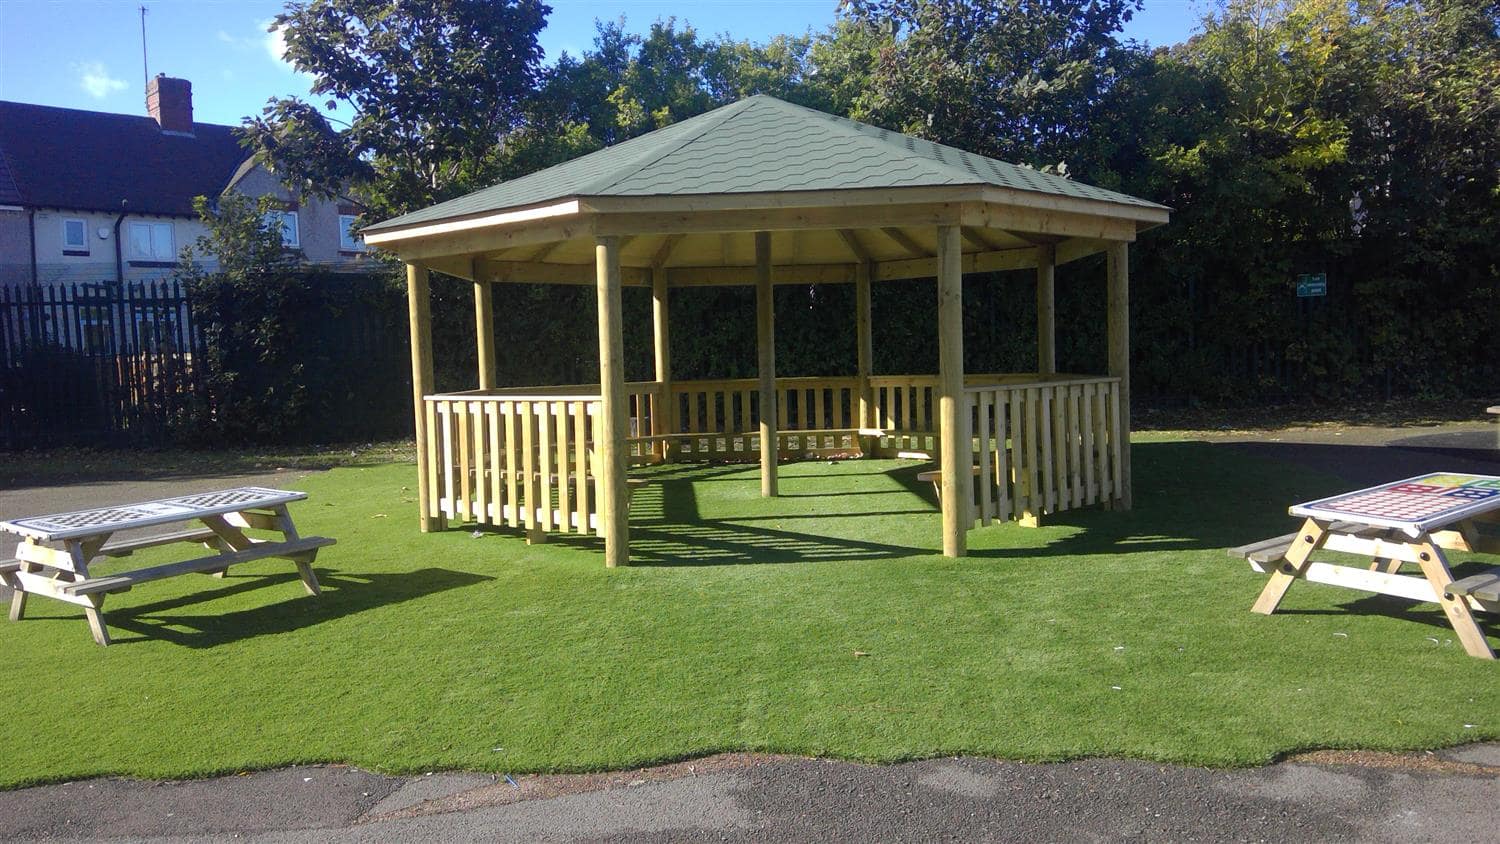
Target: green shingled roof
{"points": [[758, 145]]}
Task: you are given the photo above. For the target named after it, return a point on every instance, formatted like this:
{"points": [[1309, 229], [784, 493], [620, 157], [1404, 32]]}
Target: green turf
{"points": [[738, 630]]}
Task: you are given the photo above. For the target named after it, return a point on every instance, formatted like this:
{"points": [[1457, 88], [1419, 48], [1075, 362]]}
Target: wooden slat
{"points": [[1044, 421], [595, 473], [983, 430], [528, 464], [543, 503], [481, 464], [1075, 455], [497, 465], [581, 465], [445, 428], [434, 457], [1102, 442], [1116, 442], [564, 462], [747, 421], [461, 422], [1002, 468], [1033, 454], [512, 465], [1091, 490]]}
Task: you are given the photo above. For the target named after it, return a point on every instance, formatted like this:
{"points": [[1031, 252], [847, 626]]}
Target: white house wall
{"points": [[55, 267], [317, 220]]}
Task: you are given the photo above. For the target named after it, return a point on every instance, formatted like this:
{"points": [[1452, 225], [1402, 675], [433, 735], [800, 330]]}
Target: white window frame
{"points": [[83, 226], [278, 219], [156, 253], [349, 242]]}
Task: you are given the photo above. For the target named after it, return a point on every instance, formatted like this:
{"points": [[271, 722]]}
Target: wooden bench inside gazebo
{"points": [[763, 192]]}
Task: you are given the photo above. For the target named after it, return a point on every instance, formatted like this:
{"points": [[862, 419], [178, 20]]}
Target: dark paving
{"points": [[802, 800], [1367, 456]]}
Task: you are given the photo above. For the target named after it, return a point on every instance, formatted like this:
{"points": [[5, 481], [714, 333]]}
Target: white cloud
{"points": [[95, 79], [276, 46]]}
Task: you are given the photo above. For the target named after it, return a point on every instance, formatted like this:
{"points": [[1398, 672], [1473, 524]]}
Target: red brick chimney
{"points": [[170, 102]]}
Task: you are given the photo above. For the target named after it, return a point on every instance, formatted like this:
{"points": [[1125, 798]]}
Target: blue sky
{"points": [[87, 53]]}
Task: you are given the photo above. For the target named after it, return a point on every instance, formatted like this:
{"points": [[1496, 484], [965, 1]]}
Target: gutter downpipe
{"points": [[31, 226], [119, 254]]}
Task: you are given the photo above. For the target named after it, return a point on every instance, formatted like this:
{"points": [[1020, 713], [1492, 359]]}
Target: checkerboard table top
{"points": [[81, 523], [1415, 505]]}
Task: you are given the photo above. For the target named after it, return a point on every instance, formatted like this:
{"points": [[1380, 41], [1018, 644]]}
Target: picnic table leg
{"points": [[17, 603], [1388, 565], [82, 551], [304, 562], [1309, 539], [1435, 567], [95, 616]]}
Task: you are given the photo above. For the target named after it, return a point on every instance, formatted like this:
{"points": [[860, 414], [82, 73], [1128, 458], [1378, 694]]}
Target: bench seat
{"points": [[1265, 554], [936, 475], [1484, 586], [125, 580], [125, 548]]}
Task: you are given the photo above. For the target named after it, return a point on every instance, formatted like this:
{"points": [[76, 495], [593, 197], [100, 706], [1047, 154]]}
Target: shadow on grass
{"points": [[343, 595], [1397, 608]]}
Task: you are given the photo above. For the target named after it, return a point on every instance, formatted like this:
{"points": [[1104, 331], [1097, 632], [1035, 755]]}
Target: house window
{"points": [[152, 242], [348, 240], [286, 222], [75, 237]]}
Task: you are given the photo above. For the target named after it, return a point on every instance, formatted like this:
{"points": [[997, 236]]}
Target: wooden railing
{"points": [[524, 457], [721, 419], [1045, 447], [514, 460]]}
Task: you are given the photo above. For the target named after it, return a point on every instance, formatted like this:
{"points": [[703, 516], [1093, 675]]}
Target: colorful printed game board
{"points": [[1413, 505]]}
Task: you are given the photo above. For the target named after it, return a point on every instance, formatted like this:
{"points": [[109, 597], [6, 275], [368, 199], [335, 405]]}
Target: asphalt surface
{"points": [[1450, 797]]}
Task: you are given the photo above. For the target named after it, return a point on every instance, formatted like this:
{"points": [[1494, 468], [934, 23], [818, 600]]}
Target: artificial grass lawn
{"points": [[738, 630]]}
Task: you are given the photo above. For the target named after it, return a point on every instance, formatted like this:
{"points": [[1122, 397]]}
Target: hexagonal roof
{"points": [[758, 145]]}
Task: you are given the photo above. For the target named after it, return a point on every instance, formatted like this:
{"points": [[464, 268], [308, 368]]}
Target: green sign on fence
{"points": [[1312, 284]]}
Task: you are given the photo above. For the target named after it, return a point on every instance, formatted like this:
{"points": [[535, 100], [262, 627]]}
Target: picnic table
{"points": [[1408, 522], [84, 537]]}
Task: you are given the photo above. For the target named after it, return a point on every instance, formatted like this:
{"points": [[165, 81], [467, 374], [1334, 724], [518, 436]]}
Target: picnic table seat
{"points": [[1265, 555], [1485, 586], [935, 477], [291, 550]]}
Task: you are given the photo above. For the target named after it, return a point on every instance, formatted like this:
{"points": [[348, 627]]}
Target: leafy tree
{"points": [[431, 88], [1019, 80]]}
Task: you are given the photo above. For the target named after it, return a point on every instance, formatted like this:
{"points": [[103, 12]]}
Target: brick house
{"points": [[88, 197]]}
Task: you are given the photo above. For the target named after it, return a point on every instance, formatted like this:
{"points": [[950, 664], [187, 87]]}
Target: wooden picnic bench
{"points": [[1409, 522], [85, 536]]}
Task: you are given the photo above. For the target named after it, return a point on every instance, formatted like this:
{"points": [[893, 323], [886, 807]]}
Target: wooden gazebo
{"points": [[763, 192]]}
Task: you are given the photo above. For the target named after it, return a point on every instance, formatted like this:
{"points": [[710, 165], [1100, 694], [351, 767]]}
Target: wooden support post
{"points": [[664, 409], [614, 491], [1118, 266], [956, 447], [765, 344], [419, 312], [1046, 312], [865, 344], [484, 329]]}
